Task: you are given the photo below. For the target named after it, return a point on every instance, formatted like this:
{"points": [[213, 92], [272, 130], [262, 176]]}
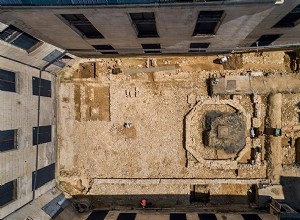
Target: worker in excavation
{"points": [[143, 203]]}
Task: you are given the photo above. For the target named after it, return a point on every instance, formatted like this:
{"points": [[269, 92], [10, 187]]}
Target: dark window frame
{"points": [[7, 80], [46, 87], [43, 176], [211, 216], [179, 216], [53, 57], [126, 215], [105, 49], [145, 24], [4, 190], [198, 47], [151, 48], [12, 140], [266, 39], [214, 18], [44, 135], [19, 38], [290, 20], [80, 24]]}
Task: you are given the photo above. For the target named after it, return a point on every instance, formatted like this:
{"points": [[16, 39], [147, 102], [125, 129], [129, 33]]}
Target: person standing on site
{"points": [[144, 203]]}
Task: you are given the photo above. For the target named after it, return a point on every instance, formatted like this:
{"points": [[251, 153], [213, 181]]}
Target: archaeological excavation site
{"points": [[179, 130], [150, 110]]}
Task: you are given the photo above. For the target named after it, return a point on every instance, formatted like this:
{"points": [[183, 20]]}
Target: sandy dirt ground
{"points": [[154, 95]]}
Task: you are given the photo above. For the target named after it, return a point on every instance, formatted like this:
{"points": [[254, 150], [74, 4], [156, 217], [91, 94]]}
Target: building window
{"points": [[151, 48], [105, 49], [290, 20], [145, 24], [178, 216], [8, 192], [83, 25], [266, 40], [53, 58], [198, 47], [8, 140], [208, 22], [65, 59], [44, 134], [43, 176], [7, 81], [45, 89], [19, 38], [213, 216]]}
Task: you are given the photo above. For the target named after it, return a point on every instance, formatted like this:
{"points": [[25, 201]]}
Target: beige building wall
{"points": [[19, 110], [242, 25]]}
